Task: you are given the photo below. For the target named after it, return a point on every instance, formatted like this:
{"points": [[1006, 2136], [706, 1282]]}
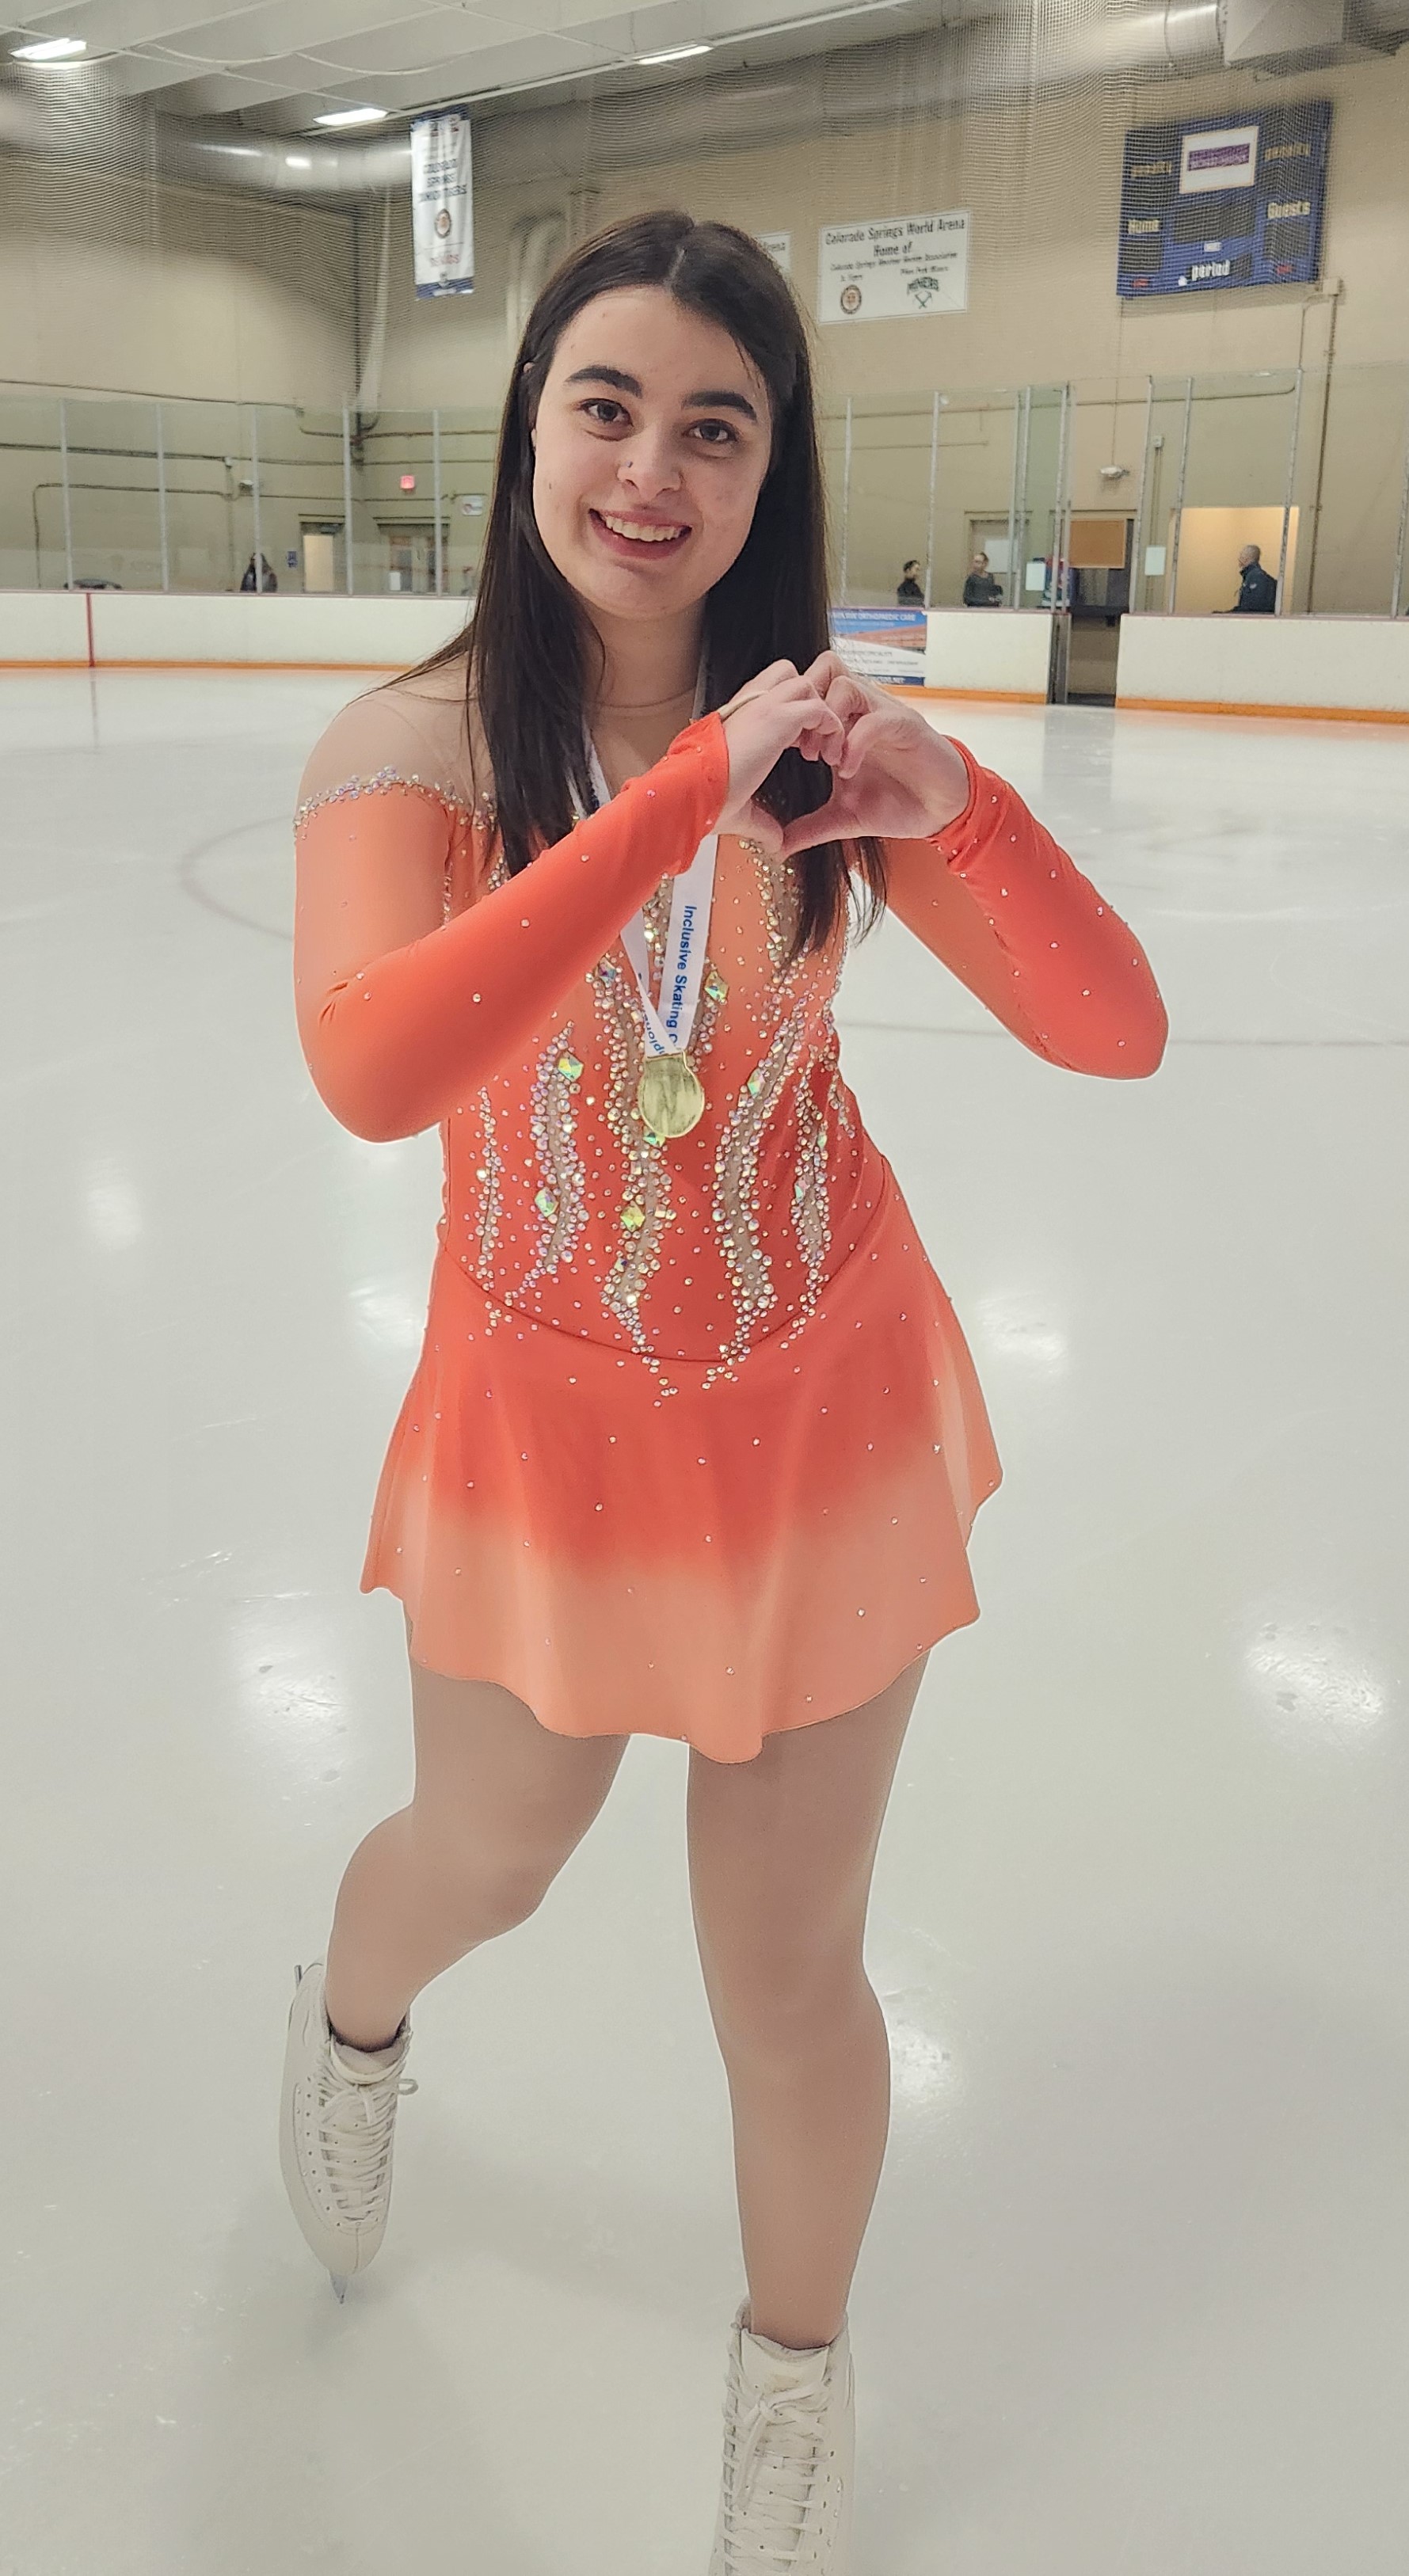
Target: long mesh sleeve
{"points": [[999, 903], [402, 1014]]}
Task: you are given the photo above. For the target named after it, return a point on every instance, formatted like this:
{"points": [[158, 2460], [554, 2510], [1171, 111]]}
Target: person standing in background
{"points": [[982, 588], [1257, 590], [259, 574], [908, 593]]}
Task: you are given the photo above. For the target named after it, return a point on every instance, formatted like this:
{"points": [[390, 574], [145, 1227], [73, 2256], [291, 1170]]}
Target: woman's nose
{"points": [[650, 465]]}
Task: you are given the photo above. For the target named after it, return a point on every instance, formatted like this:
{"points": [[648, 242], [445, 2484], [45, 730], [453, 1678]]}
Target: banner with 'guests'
{"points": [[442, 203]]}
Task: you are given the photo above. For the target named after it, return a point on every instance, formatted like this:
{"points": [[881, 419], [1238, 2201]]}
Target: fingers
{"points": [[805, 718], [861, 737], [840, 686], [807, 831], [828, 667], [761, 680]]}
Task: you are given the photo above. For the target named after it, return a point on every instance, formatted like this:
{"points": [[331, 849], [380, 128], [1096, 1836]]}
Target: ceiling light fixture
{"points": [[297, 161], [677, 54], [54, 49], [353, 116]]}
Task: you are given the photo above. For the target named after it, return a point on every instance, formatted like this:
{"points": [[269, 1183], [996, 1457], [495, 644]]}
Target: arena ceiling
{"points": [[283, 65]]}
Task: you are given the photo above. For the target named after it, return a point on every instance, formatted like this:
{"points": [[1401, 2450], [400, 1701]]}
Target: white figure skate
{"points": [[336, 2128], [789, 2458]]}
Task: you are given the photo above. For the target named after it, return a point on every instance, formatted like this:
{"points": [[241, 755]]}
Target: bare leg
{"points": [[781, 1854], [499, 1804]]}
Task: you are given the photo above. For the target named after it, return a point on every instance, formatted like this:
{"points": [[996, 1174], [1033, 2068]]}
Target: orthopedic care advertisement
{"points": [[886, 645], [442, 207], [895, 268]]}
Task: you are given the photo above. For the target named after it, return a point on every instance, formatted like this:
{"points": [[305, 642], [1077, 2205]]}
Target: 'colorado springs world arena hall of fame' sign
{"points": [[898, 265], [1206, 205]]}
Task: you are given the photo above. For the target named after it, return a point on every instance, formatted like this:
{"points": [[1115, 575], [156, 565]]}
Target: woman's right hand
{"points": [[778, 711]]}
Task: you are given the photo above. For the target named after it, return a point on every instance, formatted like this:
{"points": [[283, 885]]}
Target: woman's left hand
{"points": [[894, 777]]}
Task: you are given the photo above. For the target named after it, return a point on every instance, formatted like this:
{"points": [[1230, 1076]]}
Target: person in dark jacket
{"points": [[982, 589], [258, 575], [908, 593], [1258, 590]]}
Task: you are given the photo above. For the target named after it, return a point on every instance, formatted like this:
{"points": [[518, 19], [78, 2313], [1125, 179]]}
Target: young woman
{"points": [[694, 1444]]}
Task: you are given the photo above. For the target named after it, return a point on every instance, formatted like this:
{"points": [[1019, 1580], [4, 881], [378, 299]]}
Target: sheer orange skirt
{"points": [[713, 1566]]}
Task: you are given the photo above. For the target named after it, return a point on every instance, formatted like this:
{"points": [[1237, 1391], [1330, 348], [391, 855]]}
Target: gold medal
{"points": [[670, 1095]]}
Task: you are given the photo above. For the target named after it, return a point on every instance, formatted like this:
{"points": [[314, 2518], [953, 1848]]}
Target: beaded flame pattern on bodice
{"points": [[557, 1200], [432, 988]]}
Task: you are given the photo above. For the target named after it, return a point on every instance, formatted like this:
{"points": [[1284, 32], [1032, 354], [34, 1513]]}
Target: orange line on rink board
{"points": [[991, 697], [1261, 707], [901, 689]]}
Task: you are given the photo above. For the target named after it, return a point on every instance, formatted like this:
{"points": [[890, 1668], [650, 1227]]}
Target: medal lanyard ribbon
{"points": [[669, 1023]]}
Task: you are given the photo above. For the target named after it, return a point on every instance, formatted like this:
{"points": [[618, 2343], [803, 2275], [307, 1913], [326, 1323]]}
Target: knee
{"points": [[491, 1888], [785, 2007]]}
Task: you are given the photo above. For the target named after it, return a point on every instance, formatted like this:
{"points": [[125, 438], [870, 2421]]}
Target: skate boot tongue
{"points": [[775, 2370], [367, 2064]]}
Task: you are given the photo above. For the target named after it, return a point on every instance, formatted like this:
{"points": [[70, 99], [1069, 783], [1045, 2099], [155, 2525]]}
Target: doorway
{"points": [[1098, 551], [990, 537], [410, 553], [319, 541], [1209, 541]]}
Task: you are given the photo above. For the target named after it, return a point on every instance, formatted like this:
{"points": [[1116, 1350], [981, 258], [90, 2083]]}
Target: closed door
{"points": [[319, 559]]}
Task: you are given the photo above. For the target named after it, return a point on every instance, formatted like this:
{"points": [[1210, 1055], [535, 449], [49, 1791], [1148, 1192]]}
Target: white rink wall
{"points": [[114, 627], [989, 652], [1324, 665], [1334, 666]]}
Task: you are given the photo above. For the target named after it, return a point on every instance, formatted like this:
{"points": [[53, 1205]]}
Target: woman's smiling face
{"points": [[651, 445]]}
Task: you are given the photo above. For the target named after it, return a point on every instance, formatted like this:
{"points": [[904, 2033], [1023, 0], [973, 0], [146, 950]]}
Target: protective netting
{"points": [[195, 377]]}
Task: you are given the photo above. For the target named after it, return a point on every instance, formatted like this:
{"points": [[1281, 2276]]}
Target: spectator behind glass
{"points": [[258, 576], [1257, 590], [908, 592], [982, 589]]}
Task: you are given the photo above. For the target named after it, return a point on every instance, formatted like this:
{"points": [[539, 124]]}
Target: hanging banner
{"points": [[1204, 206], [907, 264], [442, 205]]}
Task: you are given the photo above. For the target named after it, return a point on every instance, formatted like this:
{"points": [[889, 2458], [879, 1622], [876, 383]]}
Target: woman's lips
{"points": [[619, 534]]}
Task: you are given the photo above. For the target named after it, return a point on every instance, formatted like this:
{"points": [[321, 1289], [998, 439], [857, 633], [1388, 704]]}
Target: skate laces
{"points": [[770, 2479], [355, 2124]]}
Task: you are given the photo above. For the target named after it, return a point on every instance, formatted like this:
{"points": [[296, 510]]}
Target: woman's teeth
{"points": [[644, 532]]}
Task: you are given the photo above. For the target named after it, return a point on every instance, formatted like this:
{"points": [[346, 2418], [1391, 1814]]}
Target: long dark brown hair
{"points": [[528, 643]]}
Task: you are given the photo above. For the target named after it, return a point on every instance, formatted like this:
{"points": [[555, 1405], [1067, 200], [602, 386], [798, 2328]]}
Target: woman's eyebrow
{"points": [[621, 383], [606, 376], [722, 401]]}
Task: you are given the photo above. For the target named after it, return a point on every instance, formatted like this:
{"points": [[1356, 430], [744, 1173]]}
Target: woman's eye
{"points": [[717, 433], [604, 411]]}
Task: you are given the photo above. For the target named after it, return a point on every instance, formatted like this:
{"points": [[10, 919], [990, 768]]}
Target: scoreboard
{"points": [[1207, 205]]}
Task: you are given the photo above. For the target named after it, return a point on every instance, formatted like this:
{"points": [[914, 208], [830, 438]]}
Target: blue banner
{"points": [[1224, 202], [882, 644]]}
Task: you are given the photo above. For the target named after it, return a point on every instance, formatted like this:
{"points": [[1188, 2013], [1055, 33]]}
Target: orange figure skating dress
{"points": [[695, 1442]]}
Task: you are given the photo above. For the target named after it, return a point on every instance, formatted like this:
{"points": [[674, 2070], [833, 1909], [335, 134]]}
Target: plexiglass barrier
{"points": [[1126, 496]]}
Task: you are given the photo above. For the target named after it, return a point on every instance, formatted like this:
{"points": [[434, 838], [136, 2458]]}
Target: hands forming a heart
{"points": [[893, 776]]}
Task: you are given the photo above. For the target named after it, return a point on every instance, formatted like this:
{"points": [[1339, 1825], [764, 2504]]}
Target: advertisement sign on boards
{"points": [[886, 645]]}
